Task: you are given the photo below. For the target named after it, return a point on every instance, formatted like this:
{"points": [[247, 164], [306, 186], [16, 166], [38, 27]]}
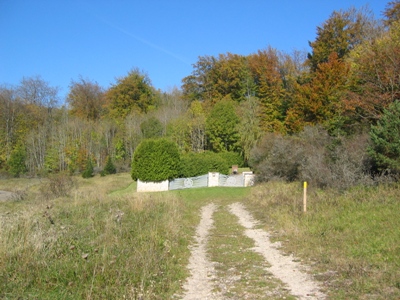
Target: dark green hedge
{"points": [[155, 160], [195, 164]]}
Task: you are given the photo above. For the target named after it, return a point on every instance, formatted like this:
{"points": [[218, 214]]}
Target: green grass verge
{"points": [[351, 239], [105, 241]]}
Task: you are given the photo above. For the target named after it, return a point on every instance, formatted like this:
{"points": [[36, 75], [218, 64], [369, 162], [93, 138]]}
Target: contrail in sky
{"points": [[143, 41]]}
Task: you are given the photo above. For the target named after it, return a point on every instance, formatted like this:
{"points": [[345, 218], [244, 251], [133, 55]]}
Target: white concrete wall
{"points": [[249, 179], [152, 186], [213, 179]]}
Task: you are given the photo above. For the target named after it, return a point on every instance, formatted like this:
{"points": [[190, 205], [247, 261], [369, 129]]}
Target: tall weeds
{"points": [[93, 246]]}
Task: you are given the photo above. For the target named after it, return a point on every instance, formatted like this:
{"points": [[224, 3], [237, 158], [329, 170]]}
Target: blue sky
{"points": [[102, 40]]}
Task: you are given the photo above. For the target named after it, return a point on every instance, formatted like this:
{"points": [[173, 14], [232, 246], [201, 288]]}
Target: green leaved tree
{"points": [[16, 162], [221, 127]]}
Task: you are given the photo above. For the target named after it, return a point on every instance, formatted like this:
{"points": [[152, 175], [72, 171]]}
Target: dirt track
{"points": [[4, 195], [202, 279]]}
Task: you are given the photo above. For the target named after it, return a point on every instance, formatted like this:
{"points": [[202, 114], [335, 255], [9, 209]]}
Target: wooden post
{"points": [[305, 197]]}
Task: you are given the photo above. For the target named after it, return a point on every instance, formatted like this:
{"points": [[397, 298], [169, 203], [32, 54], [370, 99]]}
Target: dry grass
{"points": [[102, 242]]}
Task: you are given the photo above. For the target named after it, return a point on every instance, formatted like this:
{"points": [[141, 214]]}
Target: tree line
{"points": [[348, 85]]}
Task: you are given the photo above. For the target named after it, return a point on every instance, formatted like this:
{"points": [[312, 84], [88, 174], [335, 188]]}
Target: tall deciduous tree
{"points": [[375, 74], [199, 85], [265, 68], [392, 12], [86, 99], [10, 108], [36, 91], [341, 33], [320, 101], [197, 125], [133, 92]]}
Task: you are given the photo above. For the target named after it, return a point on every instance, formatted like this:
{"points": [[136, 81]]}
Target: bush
{"points": [[58, 185], [334, 162], [155, 160], [313, 156], [195, 164], [276, 157]]}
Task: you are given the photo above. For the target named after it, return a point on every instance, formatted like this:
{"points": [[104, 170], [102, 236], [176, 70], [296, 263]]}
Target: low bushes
{"points": [[313, 156]]}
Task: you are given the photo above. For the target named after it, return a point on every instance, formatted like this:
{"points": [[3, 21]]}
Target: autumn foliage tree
{"points": [[265, 70], [320, 101], [132, 92], [86, 99], [341, 33], [375, 74]]}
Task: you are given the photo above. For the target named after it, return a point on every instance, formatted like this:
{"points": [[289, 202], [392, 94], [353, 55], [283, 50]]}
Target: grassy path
{"points": [[241, 262]]}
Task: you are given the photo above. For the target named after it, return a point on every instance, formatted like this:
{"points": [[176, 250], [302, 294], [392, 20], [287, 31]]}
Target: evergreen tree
{"points": [[88, 172], [385, 138], [109, 168]]}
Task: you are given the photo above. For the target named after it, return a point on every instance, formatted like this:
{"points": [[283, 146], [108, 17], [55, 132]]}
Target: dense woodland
{"points": [[328, 115]]}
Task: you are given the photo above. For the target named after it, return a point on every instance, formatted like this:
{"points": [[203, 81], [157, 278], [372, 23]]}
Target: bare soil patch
{"points": [[5, 196]]}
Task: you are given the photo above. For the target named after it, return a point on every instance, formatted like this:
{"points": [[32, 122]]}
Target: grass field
{"points": [[105, 241], [351, 239]]}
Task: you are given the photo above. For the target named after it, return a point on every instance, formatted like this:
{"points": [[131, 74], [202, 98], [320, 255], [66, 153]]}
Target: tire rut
{"points": [[201, 282]]}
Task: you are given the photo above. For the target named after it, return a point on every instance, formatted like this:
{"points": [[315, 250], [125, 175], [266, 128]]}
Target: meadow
{"points": [[99, 239]]}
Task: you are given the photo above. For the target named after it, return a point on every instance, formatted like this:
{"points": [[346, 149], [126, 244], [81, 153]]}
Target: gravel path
{"points": [[292, 273], [200, 283]]}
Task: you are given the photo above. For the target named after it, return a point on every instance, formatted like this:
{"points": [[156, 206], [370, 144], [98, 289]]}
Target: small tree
{"points": [[109, 168], [155, 160], [385, 138], [16, 162], [88, 172]]}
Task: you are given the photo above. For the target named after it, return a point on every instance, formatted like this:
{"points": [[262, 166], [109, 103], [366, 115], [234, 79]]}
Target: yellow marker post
{"points": [[305, 197]]}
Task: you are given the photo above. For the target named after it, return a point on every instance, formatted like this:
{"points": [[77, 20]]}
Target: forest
{"points": [[330, 116]]}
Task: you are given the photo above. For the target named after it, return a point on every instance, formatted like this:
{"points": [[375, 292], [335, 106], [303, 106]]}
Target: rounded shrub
{"points": [[155, 160]]}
